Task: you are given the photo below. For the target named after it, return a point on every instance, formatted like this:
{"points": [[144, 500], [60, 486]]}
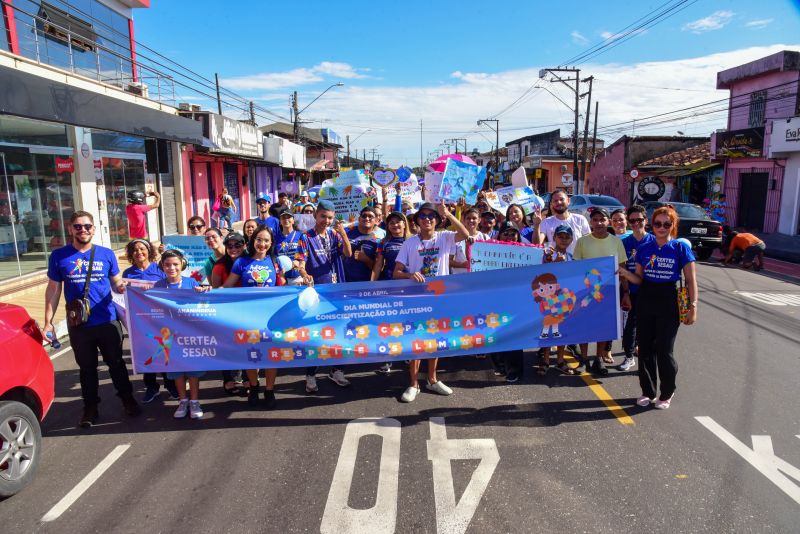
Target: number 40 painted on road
{"points": [[451, 516]]}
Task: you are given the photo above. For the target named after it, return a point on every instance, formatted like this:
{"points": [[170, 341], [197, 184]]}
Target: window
{"points": [[526, 149], [758, 107]]}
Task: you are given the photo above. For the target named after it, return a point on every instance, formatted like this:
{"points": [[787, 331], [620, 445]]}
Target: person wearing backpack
{"points": [[225, 207]]}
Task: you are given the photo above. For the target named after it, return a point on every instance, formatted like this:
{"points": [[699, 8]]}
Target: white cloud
{"points": [[758, 24], [578, 38], [451, 107], [607, 35], [295, 77], [715, 21]]}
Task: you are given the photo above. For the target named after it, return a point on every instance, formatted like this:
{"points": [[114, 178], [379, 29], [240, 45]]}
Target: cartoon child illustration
{"points": [[164, 343], [555, 303]]}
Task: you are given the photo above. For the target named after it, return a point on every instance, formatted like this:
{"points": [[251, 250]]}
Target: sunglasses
{"points": [[79, 227], [366, 216], [197, 226], [637, 220], [235, 245], [426, 216], [659, 224]]}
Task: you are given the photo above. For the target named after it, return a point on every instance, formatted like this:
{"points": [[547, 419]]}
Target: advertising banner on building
{"points": [[785, 136], [233, 137], [371, 322], [747, 143]]}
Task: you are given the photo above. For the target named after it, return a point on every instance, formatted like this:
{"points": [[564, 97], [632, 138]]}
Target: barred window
{"points": [[758, 107]]}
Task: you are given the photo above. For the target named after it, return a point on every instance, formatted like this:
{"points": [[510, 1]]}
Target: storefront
{"points": [[284, 167], [38, 194], [784, 142]]}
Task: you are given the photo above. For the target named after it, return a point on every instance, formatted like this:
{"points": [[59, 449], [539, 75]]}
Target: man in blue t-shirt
{"points": [[265, 214], [68, 269], [633, 242], [358, 267]]}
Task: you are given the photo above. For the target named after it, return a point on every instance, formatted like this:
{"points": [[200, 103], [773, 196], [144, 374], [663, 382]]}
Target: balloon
{"points": [[285, 263], [308, 299], [403, 173], [688, 243]]}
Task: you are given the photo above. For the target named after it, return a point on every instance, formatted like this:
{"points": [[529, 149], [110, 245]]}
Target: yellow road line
{"points": [[601, 393]]}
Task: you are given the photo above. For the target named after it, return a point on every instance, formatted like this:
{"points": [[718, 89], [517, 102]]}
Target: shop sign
{"points": [[747, 143], [65, 165], [566, 179], [651, 188], [785, 136], [234, 137]]}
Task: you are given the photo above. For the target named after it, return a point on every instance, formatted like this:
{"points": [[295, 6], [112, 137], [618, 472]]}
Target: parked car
{"points": [[26, 394], [704, 233], [584, 203]]}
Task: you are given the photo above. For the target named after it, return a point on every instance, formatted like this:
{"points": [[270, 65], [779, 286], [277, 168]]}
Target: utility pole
{"points": [[348, 150], [497, 141], [252, 113], [296, 127], [577, 91], [582, 181], [420, 145], [219, 100], [594, 135]]}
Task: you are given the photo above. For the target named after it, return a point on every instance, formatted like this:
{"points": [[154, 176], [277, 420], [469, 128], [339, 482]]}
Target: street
{"points": [[544, 455]]}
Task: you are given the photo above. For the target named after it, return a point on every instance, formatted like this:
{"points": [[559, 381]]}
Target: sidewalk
{"points": [[782, 247]]}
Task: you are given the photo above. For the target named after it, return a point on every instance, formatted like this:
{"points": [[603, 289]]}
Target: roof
{"points": [[782, 61], [682, 162], [287, 130]]}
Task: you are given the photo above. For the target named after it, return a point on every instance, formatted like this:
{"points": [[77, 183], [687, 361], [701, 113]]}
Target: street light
{"points": [[297, 113], [497, 141]]}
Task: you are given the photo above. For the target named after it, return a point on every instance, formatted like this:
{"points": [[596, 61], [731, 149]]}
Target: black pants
{"points": [[657, 325], [629, 330], [231, 376], [510, 361], [151, 380], [107, 338]]}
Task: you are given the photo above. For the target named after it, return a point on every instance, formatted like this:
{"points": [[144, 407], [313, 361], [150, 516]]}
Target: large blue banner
{"points": [[369, 322]]}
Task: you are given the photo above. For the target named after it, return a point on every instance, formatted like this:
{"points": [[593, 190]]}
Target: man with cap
{"points": [[302, 201], [597, 244], [265, 213], [136, 209], [424, 256], [488, 223], [319, 261], [364, 242]]}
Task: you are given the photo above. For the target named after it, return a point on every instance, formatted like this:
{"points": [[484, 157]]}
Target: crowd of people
{"points": [[382, 243]]}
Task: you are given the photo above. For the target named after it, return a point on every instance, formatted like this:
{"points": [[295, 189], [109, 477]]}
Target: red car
{"points": [[26, 393]]}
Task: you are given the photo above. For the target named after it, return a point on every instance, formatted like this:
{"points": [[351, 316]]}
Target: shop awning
{"points": [[687, 170], [320, 165], [35, 97]]}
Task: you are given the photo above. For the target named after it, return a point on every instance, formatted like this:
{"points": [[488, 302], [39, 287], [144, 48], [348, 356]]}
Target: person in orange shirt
{"points": [[749, 247]]}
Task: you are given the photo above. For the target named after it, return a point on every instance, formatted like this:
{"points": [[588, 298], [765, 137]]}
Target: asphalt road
{"points": [[544, 455]]}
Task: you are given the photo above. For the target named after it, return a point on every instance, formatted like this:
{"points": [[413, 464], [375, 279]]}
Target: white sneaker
{"points": [[183, 409], [440, 388], [663, 404], [643, 401], [195, 411], [311, 384], [627, 363], [338, 377], [410, 394]]}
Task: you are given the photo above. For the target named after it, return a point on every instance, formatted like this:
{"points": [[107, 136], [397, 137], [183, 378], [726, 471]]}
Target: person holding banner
{"points": [[637, 218], [358, 267], [516, 215], [659, 266], [559, 205], [319, 261], [458, 260], [259, 269], [173, 263], [488, 223], [597, 244], [427, 255], [141, 254], [288, 241]]}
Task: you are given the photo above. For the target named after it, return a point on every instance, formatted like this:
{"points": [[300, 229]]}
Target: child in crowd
{"points": [[557, 252], [173, 263]]}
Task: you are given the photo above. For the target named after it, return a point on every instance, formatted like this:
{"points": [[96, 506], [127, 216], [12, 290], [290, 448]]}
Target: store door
{"points": [[231, 176], [753, 200]]}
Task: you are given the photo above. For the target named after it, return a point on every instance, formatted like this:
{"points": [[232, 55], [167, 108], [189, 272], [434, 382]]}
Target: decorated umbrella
{"points": [[439, 163]]}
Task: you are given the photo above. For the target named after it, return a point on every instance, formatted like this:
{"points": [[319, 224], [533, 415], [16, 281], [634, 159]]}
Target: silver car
{"points": [[584, 203]]}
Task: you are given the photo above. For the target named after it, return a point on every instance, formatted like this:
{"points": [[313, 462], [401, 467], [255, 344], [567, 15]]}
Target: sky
{"points": [[449, 64]]}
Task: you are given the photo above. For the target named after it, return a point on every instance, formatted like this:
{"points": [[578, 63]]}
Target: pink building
{"points": [[761, 92]]}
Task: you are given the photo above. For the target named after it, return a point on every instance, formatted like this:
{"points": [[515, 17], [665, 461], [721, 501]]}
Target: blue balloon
{"points": [[403, 173]]}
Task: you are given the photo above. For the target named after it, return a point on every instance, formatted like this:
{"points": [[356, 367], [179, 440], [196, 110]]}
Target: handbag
{"points": [[216, 205], [78, 310], [683, 301]]}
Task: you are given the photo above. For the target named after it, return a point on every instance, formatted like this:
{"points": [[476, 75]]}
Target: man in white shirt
{"points": [[424, 256], [559, 204]]}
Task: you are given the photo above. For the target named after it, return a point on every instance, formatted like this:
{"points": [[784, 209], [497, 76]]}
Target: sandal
{"points": [[235, 391], [608, 358], [564, 368]]}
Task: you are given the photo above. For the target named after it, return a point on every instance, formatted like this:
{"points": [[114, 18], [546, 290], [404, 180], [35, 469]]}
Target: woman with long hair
{"points": [[515, 214], [259, 269], [458, 260], [389, 246], [660, 264]]}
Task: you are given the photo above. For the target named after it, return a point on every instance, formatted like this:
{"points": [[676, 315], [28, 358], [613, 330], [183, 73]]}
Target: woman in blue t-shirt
{"points": [[259, 269], [288, 239], [141, 255], [389, 246], [659, 265]]}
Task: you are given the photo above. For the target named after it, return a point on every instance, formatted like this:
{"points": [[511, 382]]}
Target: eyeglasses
{"points": [[235, 245], [367, 216], [426, 216], [197, 226], [79, 227], [637, 220], [659, 224]]}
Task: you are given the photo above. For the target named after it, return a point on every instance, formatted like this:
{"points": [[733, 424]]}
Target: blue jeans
{"points": [[629, 331]]}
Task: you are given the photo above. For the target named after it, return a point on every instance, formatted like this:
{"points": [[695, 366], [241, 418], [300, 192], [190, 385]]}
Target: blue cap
{"points": [[325, 205], [563, 229], [264, 198]]}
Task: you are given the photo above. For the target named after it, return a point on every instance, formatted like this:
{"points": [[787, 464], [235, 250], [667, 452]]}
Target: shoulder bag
{"points": [[78, 309]]}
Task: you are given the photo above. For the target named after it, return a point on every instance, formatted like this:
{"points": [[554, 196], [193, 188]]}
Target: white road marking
{"points": [[59, 353], [454, 517], [773, 299], [761, 456], [76, 492], [339, 517]]}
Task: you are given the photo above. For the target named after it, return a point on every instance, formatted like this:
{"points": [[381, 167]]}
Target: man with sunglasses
{"points": [[67, 270], [364, 243], [637, 220]]}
